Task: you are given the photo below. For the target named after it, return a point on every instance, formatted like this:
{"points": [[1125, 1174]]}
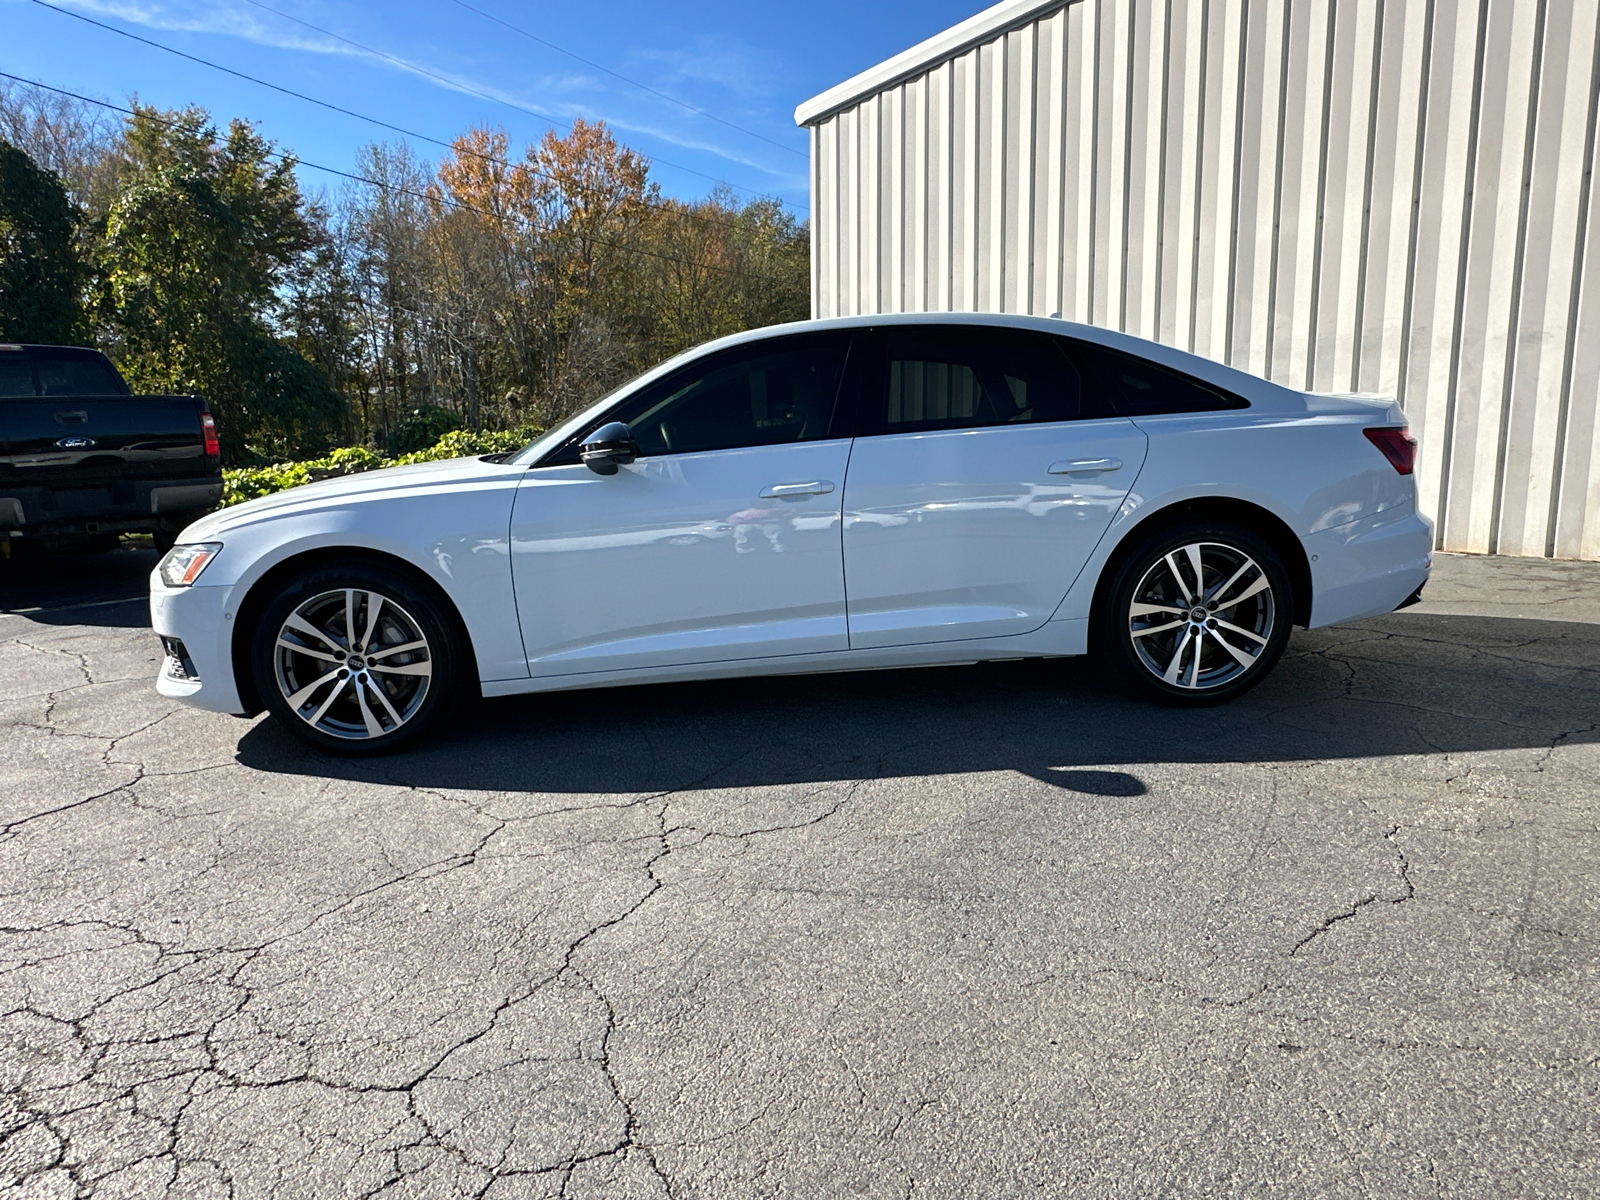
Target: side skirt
{"points": [[1056, 639]]}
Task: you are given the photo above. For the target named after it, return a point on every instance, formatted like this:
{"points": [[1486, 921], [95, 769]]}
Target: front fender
{"points": [[457, 537]]}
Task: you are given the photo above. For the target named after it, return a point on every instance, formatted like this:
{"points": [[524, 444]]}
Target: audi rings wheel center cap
{"points": [[356, 663], [1197, 614]]}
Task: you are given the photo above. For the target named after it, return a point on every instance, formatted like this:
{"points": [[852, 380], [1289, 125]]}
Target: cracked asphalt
{"points": [[973, 932]]}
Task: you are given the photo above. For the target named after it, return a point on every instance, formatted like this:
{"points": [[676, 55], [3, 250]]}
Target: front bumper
{"points": [[202, 619]]}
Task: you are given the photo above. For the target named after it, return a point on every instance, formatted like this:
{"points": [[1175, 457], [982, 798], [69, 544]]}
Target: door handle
{"points": [[1085, 466], [75, 416], [819, 487]]}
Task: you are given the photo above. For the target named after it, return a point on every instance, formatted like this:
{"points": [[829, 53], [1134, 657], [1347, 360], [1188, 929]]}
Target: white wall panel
{"points": [[1383, 195], [1079, 131]]}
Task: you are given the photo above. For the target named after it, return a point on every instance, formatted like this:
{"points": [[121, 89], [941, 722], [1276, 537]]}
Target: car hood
{"points": [[365, 488]]}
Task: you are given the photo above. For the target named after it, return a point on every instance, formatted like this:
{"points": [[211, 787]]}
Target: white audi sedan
{"points": [[827, 496]]}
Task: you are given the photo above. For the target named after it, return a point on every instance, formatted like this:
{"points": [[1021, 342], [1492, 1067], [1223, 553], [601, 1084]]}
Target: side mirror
{"points": [[608, 448]]}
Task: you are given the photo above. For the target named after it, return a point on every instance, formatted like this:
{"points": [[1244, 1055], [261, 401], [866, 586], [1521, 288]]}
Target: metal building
{"points": [[1373, 195]]}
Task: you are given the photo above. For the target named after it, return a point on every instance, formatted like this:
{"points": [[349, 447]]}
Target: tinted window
{"points": [[966, 376], [1137, 388], [76, 373], [16, 374], [777, 391]]}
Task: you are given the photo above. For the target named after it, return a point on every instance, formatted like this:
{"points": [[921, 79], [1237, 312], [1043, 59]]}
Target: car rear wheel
{"points": [[1197, 614], [357, 660]]}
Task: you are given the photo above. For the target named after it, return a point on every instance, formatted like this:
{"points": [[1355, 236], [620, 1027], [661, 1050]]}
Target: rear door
{"points": [[982, 477]]}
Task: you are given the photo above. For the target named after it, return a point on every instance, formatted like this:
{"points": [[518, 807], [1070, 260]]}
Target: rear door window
{"points": [[934, 377], [1136, 387], [16, 375], [77, 373]]}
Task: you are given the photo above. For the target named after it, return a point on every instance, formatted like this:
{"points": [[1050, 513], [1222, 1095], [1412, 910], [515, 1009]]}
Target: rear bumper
{"points": [[120, 506], [202, 618], [1368, 567]]}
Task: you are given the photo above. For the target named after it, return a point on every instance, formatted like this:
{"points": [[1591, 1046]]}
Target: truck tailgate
{"points": [[76, 463], [84, 441]]}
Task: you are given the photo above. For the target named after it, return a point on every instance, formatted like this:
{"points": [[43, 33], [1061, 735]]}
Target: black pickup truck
{"points": [[82, 459]]}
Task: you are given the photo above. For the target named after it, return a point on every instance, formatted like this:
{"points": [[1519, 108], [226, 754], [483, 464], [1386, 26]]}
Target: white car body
{"points": [[929, 548]]}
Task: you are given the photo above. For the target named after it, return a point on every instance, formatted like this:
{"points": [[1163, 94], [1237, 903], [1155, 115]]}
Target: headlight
{"points": [[183, 564]]}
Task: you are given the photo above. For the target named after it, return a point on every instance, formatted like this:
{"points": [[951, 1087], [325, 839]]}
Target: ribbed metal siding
{"points": [[1373, 195]]}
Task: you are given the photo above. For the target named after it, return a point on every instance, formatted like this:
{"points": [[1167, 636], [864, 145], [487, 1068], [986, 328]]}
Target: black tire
{"points": [[419, 687], [1165, 652]]}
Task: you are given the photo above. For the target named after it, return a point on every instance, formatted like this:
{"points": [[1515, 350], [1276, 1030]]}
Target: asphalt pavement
{"points": [[963, 933]]}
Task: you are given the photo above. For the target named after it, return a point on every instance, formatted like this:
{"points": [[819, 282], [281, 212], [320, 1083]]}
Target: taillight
{"points": [[208, 430], [1398, 446]]}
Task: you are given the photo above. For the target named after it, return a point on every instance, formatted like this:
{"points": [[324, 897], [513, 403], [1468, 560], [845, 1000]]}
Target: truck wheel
{"points": [[1197, 614], [358, 660]]}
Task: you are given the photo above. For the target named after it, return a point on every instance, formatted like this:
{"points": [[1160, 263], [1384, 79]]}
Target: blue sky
{"points": [[746, 63]]}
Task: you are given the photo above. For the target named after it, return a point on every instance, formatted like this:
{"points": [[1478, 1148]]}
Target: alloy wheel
{"points": [[1202, 616], [353, 664]]}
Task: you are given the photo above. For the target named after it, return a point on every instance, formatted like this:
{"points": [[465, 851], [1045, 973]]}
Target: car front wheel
{"points": [[357, 660], [1197, 614]]}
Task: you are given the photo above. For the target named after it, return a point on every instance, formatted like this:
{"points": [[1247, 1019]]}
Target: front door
{"points": [[722, 541], [983, 478]]}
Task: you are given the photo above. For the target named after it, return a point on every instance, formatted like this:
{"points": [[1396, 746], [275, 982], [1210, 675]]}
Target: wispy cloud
{"points": [[731, 65], [725, 65], [209, 18]]}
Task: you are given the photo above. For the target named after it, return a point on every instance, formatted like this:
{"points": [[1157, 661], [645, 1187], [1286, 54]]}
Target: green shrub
{"points": [[250, 483], [422, 429], [463, 443], [347, 460]]}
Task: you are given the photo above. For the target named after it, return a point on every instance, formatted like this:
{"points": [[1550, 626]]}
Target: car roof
{"points": [[1252, 387]]}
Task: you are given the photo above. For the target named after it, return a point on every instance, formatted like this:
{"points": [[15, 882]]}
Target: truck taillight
{"points": [[208, 430], [1398, 446]]}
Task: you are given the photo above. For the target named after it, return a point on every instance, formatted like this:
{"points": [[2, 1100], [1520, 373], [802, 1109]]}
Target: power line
{"points": [[532, 37], [331, 107], [459, 86], [296, 160]]}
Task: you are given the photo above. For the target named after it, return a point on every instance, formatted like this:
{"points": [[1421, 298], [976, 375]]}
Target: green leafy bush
{"points": [[422, 429], [463, 443], [250, 483]]}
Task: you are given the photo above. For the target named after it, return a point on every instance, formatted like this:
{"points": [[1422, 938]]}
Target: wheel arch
{"points": [[262, 590], [1264, 523]]}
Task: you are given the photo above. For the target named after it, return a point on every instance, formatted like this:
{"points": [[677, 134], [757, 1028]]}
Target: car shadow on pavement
{"points": [[110, 589], [1409, 683]]}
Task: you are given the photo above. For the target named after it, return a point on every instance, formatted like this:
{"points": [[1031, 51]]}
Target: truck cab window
{"points": [[16, 376], [77, 373]]}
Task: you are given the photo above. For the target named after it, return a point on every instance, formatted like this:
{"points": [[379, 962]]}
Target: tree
{"points": [[78, 141], [200, 246], [41, 276]]}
